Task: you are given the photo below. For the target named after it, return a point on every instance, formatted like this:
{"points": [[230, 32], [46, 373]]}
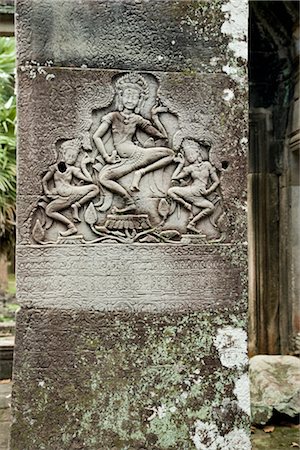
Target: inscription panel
{"points": [[150, 278]]}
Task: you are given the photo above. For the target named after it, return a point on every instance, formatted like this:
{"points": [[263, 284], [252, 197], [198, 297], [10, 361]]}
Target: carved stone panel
{"points": [[125, 163]]}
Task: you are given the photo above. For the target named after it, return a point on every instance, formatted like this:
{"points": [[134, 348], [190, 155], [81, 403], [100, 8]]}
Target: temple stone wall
{"points": [[132, 227]]}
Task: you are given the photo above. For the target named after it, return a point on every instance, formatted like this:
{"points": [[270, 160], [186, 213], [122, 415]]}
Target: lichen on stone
{"points": [[231, 344]]}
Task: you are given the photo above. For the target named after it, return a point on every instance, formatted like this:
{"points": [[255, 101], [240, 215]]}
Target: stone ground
{"points": [[279, 438], [282, 438], [5, 397]]}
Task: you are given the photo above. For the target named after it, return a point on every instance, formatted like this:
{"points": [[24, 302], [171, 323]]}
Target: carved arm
{"points": [[180, 172], [155, 110], [215, 180], [83, 174], [45, 180], [97, 137], [152, 131]]}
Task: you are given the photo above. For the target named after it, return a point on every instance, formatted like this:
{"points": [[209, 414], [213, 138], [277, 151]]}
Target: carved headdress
{"points": [[74, 144], [203, 145], [132, 81]]}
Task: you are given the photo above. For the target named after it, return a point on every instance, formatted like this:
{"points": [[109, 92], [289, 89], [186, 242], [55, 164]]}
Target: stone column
{"points": [[290, 218], [132, 236]]}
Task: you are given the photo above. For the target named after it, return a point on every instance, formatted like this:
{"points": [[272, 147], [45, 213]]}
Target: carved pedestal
{"points": [[132, 228]]}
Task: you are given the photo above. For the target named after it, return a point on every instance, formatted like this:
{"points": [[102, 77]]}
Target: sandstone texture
{"points": [[275, 386], [132, 236]]}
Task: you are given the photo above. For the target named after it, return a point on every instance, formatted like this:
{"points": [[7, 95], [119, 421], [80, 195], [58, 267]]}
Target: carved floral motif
{"points": [[144, 181]]}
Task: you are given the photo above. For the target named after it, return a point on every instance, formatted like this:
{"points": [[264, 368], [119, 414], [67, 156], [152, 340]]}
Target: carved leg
{"points": [[206, 212], [75, 211], [71, 230], [71, 227], [191, 227], [130, 206], [115, 187], [162, 162], [93, 191], [183, 202], [52, 211], [57, 216], [173, 194], [136, 180]]}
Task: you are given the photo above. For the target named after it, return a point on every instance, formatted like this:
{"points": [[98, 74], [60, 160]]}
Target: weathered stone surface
{"points": [[275, 386], [126, 34], [94, 380], [132, 226]]}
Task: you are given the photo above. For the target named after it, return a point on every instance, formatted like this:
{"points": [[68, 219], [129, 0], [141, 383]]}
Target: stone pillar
{"points": [[290, 218], [263, 236], [132, 236]]}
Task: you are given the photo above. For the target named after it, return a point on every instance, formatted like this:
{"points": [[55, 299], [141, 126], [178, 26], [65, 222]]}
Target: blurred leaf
{"points": [[7, 144]]}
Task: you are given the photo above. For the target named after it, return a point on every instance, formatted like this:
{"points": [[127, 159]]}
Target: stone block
{"points": [[275, 386], [132, 239]]}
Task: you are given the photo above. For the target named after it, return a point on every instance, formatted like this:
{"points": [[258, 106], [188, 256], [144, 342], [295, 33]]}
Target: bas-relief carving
{"points": [[142, 181]]}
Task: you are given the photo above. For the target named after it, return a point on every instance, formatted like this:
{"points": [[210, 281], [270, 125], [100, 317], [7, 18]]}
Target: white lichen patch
{"points": [[236, 73], [240, 49], [184, 395], [236, 26], [237, 440], [206, 437], [214, 61], [34, 68], [228, 95], [198, 380], [159, 412], [242, 392], [231, 344], [50, 76]]}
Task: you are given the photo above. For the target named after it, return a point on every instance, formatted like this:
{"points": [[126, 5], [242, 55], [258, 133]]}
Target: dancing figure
{"points": [[204, 181], [64, 193], [128, 156]]}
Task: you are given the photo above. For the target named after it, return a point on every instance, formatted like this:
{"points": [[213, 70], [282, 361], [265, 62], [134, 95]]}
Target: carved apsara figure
{"points": [[64, 193], [203, 182], [128, 156]]}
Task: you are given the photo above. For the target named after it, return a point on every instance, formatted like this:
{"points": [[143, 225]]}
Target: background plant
{"points": [[7, 145]]}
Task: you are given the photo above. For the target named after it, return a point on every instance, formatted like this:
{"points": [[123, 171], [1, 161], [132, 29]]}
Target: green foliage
{"points": [[7, 144]]}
